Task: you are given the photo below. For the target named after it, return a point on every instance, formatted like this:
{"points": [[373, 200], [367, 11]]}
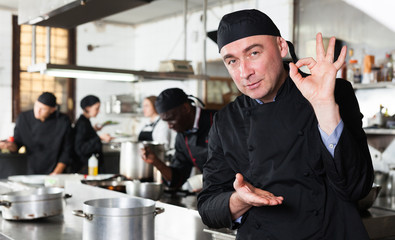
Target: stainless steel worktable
{"points": [[176, 223], [180, 221]]}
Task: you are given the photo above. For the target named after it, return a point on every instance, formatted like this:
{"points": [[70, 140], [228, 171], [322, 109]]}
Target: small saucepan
{"points": [[150, 190]]}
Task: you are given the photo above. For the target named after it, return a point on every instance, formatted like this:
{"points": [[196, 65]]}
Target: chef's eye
{"points": [[232, 61], [254, 53]]}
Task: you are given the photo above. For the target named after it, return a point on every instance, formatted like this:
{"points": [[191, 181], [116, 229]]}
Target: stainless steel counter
{"points": [[180, 221], [176, 223]]}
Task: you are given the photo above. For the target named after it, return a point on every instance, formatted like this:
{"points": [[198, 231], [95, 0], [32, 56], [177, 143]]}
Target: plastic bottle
{"points": [[350, 70], [357, 73], [387, 68], [93, 166]]}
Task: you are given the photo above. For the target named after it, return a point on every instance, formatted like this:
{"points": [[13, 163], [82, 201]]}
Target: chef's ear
{"points": [[283, 46], [53, 109], [187, 107]]}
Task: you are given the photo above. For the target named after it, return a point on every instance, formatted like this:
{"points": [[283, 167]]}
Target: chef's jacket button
{"points": [[300, 133], [331, 145], [257, 225], [315, 212], [306, 174], [251, 148], [248, 113]]}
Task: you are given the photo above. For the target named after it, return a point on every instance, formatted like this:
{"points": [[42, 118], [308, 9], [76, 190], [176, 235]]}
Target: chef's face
{"points": [[148, 108], [42, 111], [178, 118], [255, 65], [93, 110]]}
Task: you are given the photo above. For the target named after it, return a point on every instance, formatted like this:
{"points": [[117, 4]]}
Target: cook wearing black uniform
{"points": [[87, 141], [156, 129], [46, 134], [192, 125], [289, 158]]}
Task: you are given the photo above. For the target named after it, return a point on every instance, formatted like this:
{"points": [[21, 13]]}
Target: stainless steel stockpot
{"points": [[131, 164], [119, 218], [32, 203]]}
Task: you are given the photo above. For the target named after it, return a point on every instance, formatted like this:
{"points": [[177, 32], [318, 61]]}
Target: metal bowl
{"points": [[150, 190], [367, 202]]}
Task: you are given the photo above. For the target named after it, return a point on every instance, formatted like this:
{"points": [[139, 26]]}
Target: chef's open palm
{"points": [[254, 196], [319, 86]]}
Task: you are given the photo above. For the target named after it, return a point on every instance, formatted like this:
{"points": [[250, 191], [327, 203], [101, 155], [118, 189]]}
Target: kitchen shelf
{"points": [[374, 85], [379, 131]]}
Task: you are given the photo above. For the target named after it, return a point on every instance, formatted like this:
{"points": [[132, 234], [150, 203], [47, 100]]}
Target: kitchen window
{"points": [[28, 86]]}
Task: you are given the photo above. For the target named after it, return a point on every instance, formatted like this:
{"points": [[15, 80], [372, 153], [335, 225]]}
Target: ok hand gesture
{"points": [[318, 88]]}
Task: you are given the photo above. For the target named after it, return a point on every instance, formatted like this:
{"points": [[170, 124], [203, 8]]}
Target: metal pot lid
{"points": [[119, 206], [34, 194]]}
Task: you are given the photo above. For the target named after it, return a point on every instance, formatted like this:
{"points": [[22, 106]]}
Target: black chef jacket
{"points": [[47, 143], [191, 150], [277, 147], [86, 143]]}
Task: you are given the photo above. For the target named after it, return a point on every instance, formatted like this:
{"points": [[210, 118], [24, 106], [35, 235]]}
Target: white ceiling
{"points": [[152, 11]]}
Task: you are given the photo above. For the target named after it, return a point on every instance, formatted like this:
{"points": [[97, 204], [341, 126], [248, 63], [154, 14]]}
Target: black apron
{"points": [[147, 135]]}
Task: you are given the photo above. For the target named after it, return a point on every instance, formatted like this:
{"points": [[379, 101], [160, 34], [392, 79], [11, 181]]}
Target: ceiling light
{"points": [[72, 71]]}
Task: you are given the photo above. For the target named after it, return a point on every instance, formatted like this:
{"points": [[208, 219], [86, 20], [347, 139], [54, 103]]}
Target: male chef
{"points": [[46, 134], [288, 159]]}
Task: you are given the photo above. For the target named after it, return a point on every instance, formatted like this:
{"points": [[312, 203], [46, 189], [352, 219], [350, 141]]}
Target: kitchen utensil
{"points": [[32, 203], [114, 182], [131, 164], [150, 190], [381, 179], [119, 186], [119, 218], [368, 201]]}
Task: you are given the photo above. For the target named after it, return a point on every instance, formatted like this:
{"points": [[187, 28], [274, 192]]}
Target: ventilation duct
{"points": [[70, 13]]}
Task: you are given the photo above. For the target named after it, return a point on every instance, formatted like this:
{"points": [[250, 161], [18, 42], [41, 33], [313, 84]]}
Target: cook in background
{"points": [[192, 125], [155, 129], [46, 134], [86, 140], [288, 159]]}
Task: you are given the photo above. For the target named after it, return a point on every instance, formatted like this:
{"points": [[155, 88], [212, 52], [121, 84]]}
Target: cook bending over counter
{"points": [[192, 125], [46, 134]]}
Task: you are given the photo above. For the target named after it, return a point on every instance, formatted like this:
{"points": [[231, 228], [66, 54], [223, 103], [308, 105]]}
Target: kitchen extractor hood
{"points": [[70, 13]]}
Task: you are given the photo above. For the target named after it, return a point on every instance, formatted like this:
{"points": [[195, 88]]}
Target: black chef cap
{"points": [[244, 23], [48, 99], [89, 101], [169, 99]]}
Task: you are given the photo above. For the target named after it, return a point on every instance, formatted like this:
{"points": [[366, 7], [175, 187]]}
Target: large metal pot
{"points": [[132, 165], [32, 203], [119, 218]]}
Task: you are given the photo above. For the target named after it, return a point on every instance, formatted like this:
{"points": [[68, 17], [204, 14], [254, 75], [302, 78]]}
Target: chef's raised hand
{"points": [[247, 196], [148, 155], [319, 87]]}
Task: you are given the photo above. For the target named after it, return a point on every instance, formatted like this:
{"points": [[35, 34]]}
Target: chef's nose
{"points": [[245, 69]]}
